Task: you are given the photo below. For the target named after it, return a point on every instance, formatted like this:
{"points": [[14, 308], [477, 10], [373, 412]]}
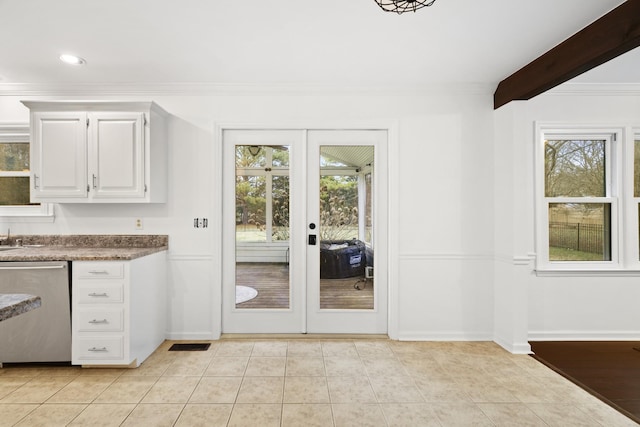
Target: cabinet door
{"points": [[117, 155], [59, 156]]}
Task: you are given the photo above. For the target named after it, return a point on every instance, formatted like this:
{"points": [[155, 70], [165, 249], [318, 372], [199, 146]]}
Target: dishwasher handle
{"points": [[33, 267]]}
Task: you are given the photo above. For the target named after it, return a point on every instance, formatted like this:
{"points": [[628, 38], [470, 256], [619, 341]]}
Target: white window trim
{"points": [[624, 219], [19, 132]]}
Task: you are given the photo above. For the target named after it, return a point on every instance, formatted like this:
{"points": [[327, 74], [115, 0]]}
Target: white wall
{"points": [[513, 228], [441, 200], [555, 308]]}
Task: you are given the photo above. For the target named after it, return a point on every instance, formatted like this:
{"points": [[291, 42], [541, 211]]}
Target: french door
{"points": [[304, 219]]}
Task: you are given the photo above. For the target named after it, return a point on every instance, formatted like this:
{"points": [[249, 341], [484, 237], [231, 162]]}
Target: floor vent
{"points": [[190, 347]]}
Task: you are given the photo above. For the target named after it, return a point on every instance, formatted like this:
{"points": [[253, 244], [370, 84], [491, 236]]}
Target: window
{"points": [[583, 200], [15, 202]]}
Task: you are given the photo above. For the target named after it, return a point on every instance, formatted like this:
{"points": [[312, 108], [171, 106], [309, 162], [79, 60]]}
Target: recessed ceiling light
{"points": [[72, 59]]}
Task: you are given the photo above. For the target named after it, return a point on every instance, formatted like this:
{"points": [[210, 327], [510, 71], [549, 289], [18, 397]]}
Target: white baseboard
{"points": [[513, 348], [445, 336], [197, 336]]}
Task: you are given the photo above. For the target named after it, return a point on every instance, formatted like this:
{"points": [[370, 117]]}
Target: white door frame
{"points": [[391, 126]]}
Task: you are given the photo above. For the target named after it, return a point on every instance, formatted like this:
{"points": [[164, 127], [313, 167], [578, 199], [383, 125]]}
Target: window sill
{"points": [[588, 273], [16, 214]]}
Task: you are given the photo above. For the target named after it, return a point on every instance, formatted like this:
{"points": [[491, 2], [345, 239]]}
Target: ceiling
{"points": [[353, 155], [346, 43]]}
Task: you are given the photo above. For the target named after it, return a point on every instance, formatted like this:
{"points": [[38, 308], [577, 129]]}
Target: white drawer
{"points": [[100, 348], [91, 293], [103, 320], [98, 270]]}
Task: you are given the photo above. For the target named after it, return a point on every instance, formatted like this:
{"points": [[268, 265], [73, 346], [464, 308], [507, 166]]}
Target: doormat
{"points": [[190, 347]]}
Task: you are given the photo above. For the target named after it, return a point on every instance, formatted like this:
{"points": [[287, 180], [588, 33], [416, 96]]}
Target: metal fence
{"points": [[577, 236]]}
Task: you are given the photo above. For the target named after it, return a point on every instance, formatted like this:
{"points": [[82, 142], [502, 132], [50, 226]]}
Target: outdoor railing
{"points": [[577, 236]]}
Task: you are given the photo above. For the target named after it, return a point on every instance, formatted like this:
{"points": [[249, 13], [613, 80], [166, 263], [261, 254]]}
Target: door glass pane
{"points": [[579, 232], [575, 168], [262, 227], [346, 245]]}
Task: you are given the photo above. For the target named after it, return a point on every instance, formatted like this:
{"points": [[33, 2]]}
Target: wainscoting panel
{"points": [[445, 297], [192, 295]]}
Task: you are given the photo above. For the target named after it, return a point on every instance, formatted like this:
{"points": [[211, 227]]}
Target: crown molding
{"points": [[602, 89], [205, 89]]}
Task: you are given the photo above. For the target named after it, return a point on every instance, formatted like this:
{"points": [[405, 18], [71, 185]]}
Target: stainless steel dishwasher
{"points": [[43, 334]]}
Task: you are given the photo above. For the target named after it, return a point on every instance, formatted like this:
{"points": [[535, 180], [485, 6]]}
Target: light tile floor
{"points": [[303, 382]]}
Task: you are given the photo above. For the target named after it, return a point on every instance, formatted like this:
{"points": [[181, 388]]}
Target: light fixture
{"points": [[400, 6], [72, 59], [254, 150]]}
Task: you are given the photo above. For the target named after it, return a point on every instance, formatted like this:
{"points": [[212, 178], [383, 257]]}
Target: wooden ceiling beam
{"points": [[612, 35]]}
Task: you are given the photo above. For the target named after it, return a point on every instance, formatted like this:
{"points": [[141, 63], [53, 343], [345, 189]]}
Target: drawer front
{"points": [[111, 320], [91, 293], [100, 348], [98, 270]]}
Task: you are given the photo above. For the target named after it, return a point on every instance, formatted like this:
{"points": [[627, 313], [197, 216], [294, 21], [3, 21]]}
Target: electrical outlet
{"points": [[200, 222], [139, 224]]}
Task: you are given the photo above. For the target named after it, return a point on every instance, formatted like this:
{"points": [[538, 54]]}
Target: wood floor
{"points": [[609, 370], [271, 280]]}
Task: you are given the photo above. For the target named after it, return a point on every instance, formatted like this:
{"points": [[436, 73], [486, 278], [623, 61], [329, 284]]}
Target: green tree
{"points": [[338, 207], [575, 168]]}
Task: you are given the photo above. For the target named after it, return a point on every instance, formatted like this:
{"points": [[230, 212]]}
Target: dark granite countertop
{"points": [[12, 305], [84, 247]]}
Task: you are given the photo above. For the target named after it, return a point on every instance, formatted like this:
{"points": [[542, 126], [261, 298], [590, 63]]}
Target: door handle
{"points": [[312, 239]]}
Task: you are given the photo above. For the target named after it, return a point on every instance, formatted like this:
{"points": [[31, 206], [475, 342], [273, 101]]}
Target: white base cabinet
{"points": [[118, 310], [98, 152]]}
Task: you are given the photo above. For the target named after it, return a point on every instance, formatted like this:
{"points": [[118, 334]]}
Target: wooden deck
{"points": [[272, 283]]}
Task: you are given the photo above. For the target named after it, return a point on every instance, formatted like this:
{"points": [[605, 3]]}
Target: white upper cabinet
{"points": [[58, 155], [116, 155], [98, 152]]}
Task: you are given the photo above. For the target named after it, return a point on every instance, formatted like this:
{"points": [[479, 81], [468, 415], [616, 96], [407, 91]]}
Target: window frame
{"points": [[20, 133], [619, 195]]}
